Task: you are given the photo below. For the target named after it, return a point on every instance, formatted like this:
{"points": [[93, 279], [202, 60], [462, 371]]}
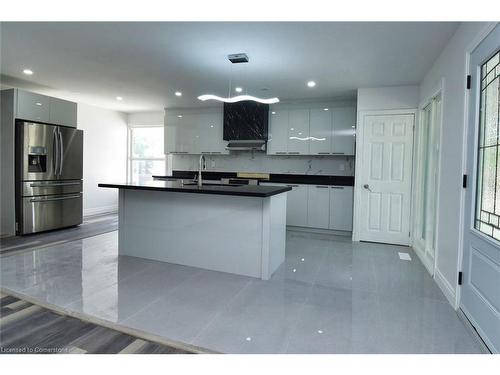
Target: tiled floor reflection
{"points": [[330, 296]]}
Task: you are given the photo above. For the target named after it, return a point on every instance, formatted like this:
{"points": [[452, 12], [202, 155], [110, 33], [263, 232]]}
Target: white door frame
{"points": [[358, 212], [438, 91]]}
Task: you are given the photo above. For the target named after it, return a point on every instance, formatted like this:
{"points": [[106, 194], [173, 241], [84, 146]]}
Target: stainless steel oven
{"points": [[49, 168]]}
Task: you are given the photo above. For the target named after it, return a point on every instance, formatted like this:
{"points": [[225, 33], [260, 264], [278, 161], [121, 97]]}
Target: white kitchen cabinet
{"points": [[32, 107], [296, 207], [278, 133], [178, 136], [319, 206], [188, 132], [341, 202], [62, 112], [42, 108], [298, 132], [209, 128], [344, 123], [320, 132], [318, 203]]}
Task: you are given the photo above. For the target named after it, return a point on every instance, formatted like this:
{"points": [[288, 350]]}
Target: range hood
{"points": [[255, 145], [245, 125]]}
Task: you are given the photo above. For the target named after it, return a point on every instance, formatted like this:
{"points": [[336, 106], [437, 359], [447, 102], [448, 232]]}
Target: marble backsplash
{"points": [[261, 162]]}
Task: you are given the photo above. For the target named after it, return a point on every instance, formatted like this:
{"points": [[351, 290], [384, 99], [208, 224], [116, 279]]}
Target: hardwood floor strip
{"points": [[17, 305], [134, 347], [5, 320]]}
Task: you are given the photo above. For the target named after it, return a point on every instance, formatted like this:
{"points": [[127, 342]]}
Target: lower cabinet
{"points": [[341, 201], [319, 206], [296, 206], [318, 203]]}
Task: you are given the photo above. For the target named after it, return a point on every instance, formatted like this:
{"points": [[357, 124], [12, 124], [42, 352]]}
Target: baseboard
{"points": [[319, 231], [463, 315], [100, 210], [428, 263], [445, 287]]}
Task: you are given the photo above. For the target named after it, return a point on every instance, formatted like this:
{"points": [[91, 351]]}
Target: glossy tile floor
{"points": [[330, 296]]}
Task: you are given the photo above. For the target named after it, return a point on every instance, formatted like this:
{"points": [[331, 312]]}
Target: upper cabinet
{"points": [[41, 108], [33, 107], [318, 130], [344, 131], [62, 112], [194, 132]]}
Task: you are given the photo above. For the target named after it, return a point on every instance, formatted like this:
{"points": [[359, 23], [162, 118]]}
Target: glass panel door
{"points": [[487, 218]]}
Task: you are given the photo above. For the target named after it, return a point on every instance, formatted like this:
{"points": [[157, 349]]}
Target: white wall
{"points": [[104, 156], [390, 97], [145, 118], [450, 67]]}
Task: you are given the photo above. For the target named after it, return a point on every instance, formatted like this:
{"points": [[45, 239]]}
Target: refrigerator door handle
{"points": [[34, 200], [61, 152], [55, 151]]}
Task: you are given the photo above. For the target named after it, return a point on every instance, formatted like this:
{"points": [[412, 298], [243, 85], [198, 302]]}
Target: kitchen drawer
{"points": [[50, 212], [33, 188]]}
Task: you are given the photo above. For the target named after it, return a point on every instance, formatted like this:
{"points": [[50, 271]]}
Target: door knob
{"points": [[367, 187]]}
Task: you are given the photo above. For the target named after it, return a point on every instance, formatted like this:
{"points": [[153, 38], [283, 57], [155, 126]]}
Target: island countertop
{"points": [[180, 187]]}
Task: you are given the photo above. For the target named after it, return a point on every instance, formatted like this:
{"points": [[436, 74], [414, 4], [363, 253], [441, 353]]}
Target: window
{"points": [[487, 218], [145, 153]]}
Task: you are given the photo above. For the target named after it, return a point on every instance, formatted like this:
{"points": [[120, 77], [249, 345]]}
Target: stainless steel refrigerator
{"points": [[49, 168]]}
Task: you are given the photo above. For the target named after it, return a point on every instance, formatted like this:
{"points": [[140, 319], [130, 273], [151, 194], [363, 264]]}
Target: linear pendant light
{"points": [[237, 58], [238, 98]]}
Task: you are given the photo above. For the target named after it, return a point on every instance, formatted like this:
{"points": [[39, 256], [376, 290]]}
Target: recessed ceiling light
{"points": [[320, 331], [38, 103], [178, 93], [294, 270], [248, 339], [325, 109], [273, 113], [311, 84], [28, 72], [180, 116], [238, 89], [119, 98]]}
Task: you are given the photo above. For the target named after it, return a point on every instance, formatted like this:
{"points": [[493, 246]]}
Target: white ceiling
{"points": [[146, 63]]}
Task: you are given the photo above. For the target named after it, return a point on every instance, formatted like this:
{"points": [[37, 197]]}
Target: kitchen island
{"points": [[239, 229]]}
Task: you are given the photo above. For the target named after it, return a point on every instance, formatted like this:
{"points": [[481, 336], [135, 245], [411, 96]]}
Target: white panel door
{"points": [[320, 132], [318, 206], [344, 129], [480, 292], [298, 132], [278, 134], [341, 201], [385, 178]]}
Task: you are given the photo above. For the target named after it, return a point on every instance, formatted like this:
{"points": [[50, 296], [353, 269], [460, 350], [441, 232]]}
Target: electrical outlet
{"points": [[342, 167], [212, 163]]}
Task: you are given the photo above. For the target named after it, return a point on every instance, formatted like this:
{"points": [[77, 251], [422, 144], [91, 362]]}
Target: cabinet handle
{"points": [[281, 153], [294, 153], [205, 152], [323, 153], [179, 152], [292, 186], [338, 153], [321, 187], [216, 152], [336, 187]]}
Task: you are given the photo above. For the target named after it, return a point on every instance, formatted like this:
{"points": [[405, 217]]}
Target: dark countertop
{"points": [[287, 178], [177, 186]]}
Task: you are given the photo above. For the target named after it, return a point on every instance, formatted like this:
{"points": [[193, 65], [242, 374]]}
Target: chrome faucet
{"points": [[202, 165]]}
